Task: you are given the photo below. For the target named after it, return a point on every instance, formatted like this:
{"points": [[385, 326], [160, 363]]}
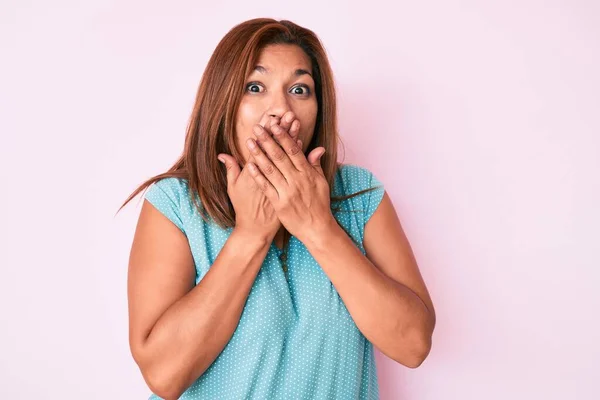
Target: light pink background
{"points": [[481, 118]]}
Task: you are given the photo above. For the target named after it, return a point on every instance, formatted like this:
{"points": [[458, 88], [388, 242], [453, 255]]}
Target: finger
{"points": [[272, 121], [233, 169], [286, 120], [263, 183], [302, 146], [264, 120], [271, 169], [250, 159], [274, 152], [290, 146], [295, 129], [286, 125], [314, 158]]}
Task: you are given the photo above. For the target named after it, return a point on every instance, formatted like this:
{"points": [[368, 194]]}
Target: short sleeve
{"points": [[165, 196], [356, 179], [372, 198]]}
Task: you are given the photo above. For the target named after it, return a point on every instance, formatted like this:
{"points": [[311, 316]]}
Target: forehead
{"points": [[283, 56]]}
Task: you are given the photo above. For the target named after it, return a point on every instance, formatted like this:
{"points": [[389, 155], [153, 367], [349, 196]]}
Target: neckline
{"points": [[287, 245]]}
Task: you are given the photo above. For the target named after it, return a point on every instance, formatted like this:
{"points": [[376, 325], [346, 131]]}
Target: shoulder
{"points": [[170, 196], [175, 188], [351, 178]]}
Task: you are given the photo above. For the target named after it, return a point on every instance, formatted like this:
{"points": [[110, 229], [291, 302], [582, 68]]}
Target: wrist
{"points": [[321, 235], [250, 237]]}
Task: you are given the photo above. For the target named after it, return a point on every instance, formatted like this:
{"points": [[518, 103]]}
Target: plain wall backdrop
{"points": [[481, 118]]}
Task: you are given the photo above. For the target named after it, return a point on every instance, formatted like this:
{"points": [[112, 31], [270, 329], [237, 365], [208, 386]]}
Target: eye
{"points": [[253, 87], [301, 90]]}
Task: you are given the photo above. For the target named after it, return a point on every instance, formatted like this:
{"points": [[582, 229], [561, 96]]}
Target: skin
{"points": [[175, 336], [280, 91], [383, 290], [276, 91]]}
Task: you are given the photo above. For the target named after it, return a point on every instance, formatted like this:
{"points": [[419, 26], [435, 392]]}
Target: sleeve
{"points": [[371, 199], [165, 197]]}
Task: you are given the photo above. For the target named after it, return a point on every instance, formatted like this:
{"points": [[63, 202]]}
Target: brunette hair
{"points": [[211, 127]]}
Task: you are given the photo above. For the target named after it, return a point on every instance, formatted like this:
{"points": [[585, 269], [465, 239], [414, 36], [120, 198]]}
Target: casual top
{"points": [[295, 338]]}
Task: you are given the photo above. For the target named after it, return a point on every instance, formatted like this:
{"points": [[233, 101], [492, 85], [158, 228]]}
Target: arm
{"points": [[177, 329], [386, 297], [381, 296]]}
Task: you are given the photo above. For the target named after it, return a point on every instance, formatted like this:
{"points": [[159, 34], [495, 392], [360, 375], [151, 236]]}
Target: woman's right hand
{"points": [[253, 210]]}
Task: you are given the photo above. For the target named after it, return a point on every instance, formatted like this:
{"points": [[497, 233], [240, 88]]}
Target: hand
{"points": [[253, 212], [294, 184]]}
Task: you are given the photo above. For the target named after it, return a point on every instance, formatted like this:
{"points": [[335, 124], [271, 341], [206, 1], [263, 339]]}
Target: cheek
{"points": [[308, 119], [248, 115]]}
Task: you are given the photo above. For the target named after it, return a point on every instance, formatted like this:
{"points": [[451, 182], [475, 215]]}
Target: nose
{"points": [[279, 105]]}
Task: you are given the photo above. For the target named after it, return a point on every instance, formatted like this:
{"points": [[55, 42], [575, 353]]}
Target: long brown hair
{"points": [[211, 128]]}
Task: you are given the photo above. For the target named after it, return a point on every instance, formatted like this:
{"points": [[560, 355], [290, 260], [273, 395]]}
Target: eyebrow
{"points": [[298, 72]]}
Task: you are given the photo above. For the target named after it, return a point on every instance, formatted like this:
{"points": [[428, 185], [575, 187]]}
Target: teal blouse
{"points": [[295, 338]]}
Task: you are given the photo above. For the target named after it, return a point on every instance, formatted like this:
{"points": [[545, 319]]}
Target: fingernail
{"points": [[258, 130], [289, 117], [221, 159]]}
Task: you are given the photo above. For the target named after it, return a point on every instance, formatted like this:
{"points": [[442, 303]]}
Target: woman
{"points": [[272, 275]]}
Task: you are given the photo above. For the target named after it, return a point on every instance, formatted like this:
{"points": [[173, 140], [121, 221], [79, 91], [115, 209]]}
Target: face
{"points": [[280, 82]]}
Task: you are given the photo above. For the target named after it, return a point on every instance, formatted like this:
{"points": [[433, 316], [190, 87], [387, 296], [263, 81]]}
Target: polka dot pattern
{"points": [[295, 338]]}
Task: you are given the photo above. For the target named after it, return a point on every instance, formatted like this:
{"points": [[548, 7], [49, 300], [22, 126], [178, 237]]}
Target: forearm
{"points": [[190, 335], [389, 314]]}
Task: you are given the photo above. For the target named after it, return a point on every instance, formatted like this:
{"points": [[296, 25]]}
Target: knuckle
{"points": [[269, 169], [294, 149], [278, 155]]}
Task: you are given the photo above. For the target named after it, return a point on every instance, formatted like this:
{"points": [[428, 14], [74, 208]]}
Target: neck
{"points": [[280, 238]]}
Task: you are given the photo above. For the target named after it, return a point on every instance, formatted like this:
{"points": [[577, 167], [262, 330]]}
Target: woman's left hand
{"points": [[294, 184]]}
